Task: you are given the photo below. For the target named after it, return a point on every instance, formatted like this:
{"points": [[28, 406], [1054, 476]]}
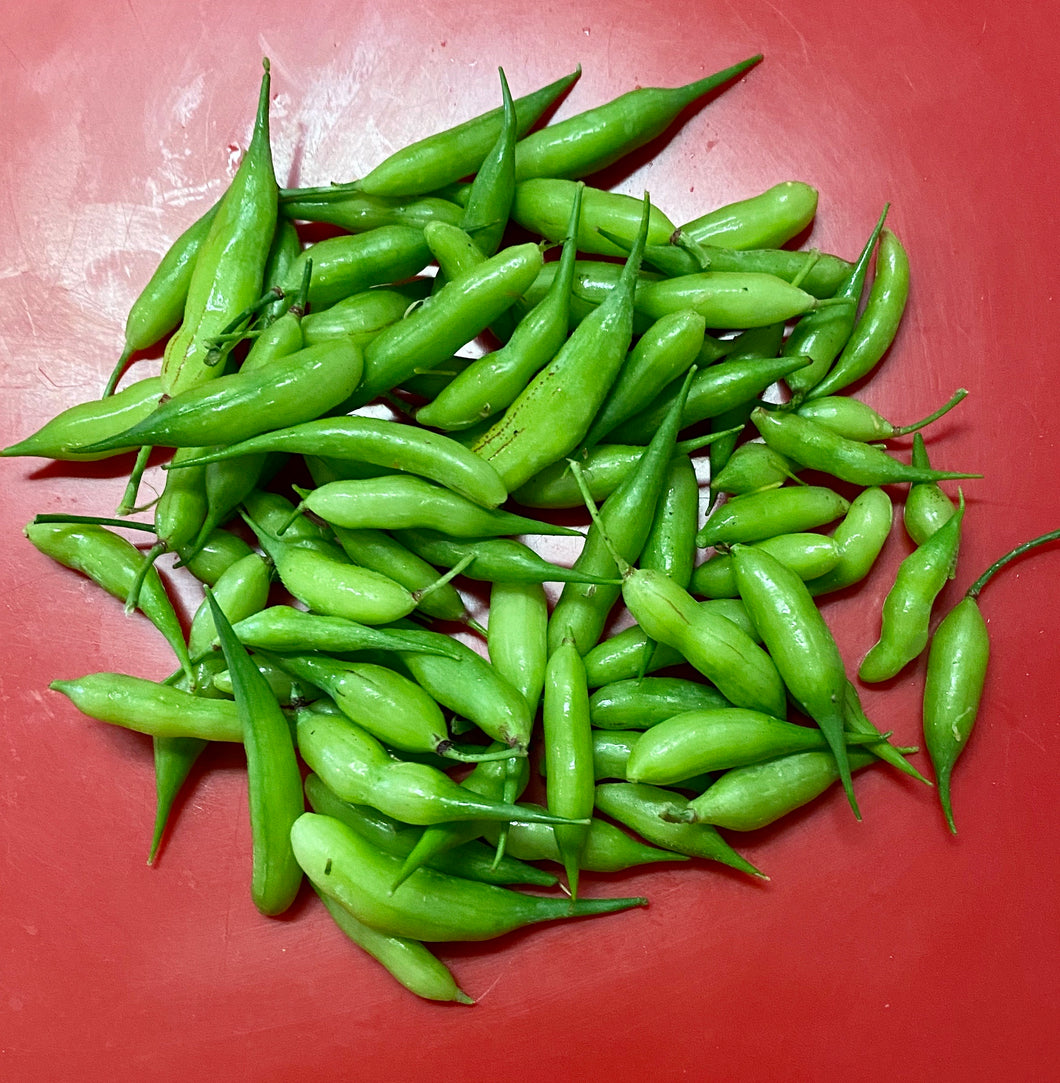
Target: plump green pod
{"points": [[323, 579], [752, 467], [714, 390], [712, 644], [588, 141], [956, 672], [384, 443], [114, 564], [767, 220], [856, 420], [214, 556], [817, 448], [819, 273], [361, 317], [927, 507], [576, 380], [630, 653], [381, 552], [807, 554], [408, 960], [859, 538], [671, 544], [349, 263], [607, 848], [616, 538], [229, 270], [465, 683], [567, 739], [357, 768], [401, 502], [429, 906], [747, 798], [284, 250], [638, 704], [714, 739], [92, 421], [447, 321], [661, 355], [543, 205], [388, 705], [906, 614], [800, 643], [231, 408], [489, 199], [444, 157], [640, 806], [517, 637], [274, 781], [756, 516], [241, 590], [726, 299], [473, 859], [822, 334], [149, 707], [284, 628], [878, 323]]}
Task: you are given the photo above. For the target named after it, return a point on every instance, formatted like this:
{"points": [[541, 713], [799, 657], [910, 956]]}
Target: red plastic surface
{"points": [[877, 951]]}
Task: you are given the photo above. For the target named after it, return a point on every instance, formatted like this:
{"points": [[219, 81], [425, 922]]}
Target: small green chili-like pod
{"points": [[878, 323], [806, 553], [639, 703], [588, 141], [274, 781], [906, 614], [754, 516], [228, 272], [716, 739], [526, 438], [408, 960], [817, 448], [640, 806], [430, 906], [859, 537], [927, 507], [356, 767], [566, 735], [800, 643], [444, 157], [766, 220], [747, 798], [88, 422]]}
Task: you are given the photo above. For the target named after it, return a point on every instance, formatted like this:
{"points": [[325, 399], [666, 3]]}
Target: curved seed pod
{"points": [[767, 220], [906, 615], [430, 906], [640, 807], [800, 644], [586, 142], [747, 798]]}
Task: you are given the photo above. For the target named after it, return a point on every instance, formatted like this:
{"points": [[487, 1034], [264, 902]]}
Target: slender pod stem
{"points": [[974, 590], [958, 395], [93, 520]]}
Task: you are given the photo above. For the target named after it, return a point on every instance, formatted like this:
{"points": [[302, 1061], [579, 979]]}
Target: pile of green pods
{"points": [[482, 348]]}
